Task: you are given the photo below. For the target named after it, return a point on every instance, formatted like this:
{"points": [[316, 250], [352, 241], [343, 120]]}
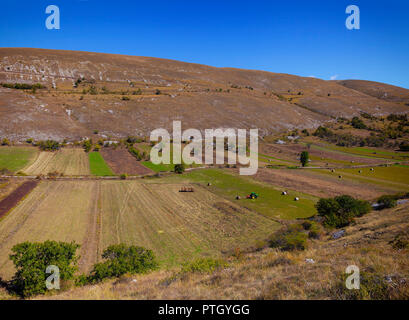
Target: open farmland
{"points": [[15, 158], [68, 161], [321, 183], [46, 215], [271, 203], [176, 226]]}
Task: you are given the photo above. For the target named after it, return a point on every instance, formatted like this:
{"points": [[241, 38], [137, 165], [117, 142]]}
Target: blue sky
{"points": [[306, 38]]}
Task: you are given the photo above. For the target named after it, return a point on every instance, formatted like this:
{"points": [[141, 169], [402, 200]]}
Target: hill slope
{"points": [[128, 95]]}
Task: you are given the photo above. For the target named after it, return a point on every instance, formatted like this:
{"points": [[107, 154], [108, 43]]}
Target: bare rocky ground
{"points": [[127, 95]]}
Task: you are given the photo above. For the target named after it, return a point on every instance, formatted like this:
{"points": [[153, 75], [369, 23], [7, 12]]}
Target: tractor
{"points": [[252, 195]]}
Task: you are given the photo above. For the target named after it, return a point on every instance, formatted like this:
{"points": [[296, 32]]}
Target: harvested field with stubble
{"points": [[68, 161], [121, 161], [177, 226], [52, 211]]}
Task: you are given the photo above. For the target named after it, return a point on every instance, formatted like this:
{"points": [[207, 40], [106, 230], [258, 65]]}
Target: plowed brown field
{"points": [[121, 161]]}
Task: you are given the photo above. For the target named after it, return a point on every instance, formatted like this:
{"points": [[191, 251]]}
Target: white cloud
{"points": [[334, 77], [311, 76]]}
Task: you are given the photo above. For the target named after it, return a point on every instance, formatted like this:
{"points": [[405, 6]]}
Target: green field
{"points": [[98, 165], [396, 176], [16, 158], [270, 203], [158, 167]]}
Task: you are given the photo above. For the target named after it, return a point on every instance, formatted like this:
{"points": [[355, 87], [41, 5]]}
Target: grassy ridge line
{"points": [[98, 166]]}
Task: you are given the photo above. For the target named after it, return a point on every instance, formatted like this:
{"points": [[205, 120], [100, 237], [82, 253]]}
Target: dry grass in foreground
{"points": [[272, 274]]}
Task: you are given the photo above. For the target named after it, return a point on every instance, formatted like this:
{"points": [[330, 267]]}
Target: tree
{"points": [[32, 259], [49, 145], [341, 211], [358, 123], [304, 158], [5, 142], [87, 145], [180, 168], [119, 260]]}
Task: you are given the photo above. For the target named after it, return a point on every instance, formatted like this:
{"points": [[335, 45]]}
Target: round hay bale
{"points": [[296, 199]]}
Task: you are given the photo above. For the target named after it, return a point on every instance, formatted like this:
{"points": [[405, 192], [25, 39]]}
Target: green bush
{"points": [[119, 260], [203, 265], [179, 168], [49, 145], [340, 211], [358, 123], [5, 142], [32, 259], [289, 238], [404, 146], [23, 86], [387, 201], [87, 145], [123, 176]]}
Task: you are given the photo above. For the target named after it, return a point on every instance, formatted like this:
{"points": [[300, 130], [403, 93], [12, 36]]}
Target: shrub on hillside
{"points": [[358, 123], [387, 201], [87, 145], [32, 259], [203, 265], [119, 260], [401, 241], [49, 145], [292, 237], [180, 168], [404, 146], [5, 142], [341, 211]]}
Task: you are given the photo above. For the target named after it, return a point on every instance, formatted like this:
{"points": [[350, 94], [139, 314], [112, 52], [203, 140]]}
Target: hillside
{"points": [[127, 95], [273, 274]]}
